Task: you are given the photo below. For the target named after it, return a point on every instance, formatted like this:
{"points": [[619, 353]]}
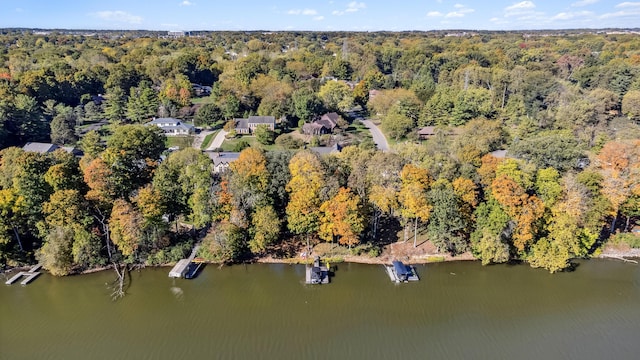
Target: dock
{"points": [[29, 276], [187, 268], [399, 272], [318, 273]]}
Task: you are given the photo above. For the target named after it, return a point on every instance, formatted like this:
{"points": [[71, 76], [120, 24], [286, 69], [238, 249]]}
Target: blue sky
{"points": [[366, 15]]}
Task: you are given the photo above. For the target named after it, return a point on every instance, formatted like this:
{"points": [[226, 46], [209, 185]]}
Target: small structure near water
{"points": [[29, 275], [399, 272], [318, 273], [187, 268]]}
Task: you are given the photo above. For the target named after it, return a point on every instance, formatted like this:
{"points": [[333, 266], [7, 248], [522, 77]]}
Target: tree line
{"points": [[566, 107]]}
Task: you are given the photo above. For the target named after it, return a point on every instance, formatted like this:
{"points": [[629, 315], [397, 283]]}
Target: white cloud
{"points": [[118, 16], [355, 6], [628, 4], [619, 14], [318, 18], [434, 14], [584, 3], [458, 6], [454, 14], [521, 5], [352, 7], [571, 15], [186, 3], [308, 12]]}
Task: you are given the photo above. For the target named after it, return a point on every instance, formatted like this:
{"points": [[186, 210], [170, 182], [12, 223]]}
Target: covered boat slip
{"points": [[399, 272], [318, 273]]}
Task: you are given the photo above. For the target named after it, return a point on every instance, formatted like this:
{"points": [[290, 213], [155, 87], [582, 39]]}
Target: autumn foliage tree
{"points": [[341, 217]]}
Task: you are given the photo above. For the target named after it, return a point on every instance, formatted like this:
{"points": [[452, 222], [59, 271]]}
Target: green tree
{"points": [[264, 135], [631, 105], [63, 128], [336, 96], [116, 105], [265, 228]]}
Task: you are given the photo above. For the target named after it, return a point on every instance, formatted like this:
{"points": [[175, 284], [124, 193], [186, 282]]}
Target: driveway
{"points": [[218, 140], [199, 138], [378, 136]]}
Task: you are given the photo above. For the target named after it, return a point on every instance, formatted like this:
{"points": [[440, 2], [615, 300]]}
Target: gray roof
{"points": [[325, 150], [427, 130], [38, 147], [173, 124], [500, 154], [222, 157], [242, 123], [45, 148], [261, 120]]}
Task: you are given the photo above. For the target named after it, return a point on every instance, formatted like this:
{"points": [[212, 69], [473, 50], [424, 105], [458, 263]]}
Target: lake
{"points": [[458, 310]]}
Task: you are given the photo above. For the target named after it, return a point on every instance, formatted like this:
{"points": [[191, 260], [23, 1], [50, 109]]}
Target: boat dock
{"points": [[318, 273], [186, 268], [399, 272], [28, 275]]}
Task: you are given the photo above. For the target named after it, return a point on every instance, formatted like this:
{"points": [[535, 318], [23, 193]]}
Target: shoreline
{"points": [[631, 255]]}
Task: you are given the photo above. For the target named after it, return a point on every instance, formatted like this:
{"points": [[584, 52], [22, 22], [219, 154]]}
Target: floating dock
{"points": [[318, 273], [29, 276], [399, 272]]}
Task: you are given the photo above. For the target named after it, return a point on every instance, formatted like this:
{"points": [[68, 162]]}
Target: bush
{"points": [[630, 239]]}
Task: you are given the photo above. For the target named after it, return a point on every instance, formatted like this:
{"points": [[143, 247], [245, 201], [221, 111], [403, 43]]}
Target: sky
{"points": [[319, 15]]}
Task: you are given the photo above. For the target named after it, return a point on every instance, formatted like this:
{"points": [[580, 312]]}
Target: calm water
{"points": [[457, 311]]}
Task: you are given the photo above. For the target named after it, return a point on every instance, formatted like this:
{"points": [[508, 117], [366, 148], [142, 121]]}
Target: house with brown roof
{"points": [[322, 125]]}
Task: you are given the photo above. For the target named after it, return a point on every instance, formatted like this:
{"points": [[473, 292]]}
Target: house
{"points": [[323, 125], [326, 150], [172, 127], [45, 148], [428, 132], [249, 125], [222, 160]]}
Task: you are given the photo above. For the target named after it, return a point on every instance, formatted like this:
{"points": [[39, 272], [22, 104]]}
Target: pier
{"points": [[399, 272], [29, 276], [318, 273], [183, 267]]}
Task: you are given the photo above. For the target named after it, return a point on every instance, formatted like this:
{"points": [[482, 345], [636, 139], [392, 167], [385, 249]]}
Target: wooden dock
{"points": [[399, 272], [318, 273], [29, 275]]}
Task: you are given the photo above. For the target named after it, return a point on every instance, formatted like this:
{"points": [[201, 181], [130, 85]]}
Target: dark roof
{"points": [[262, 119], [325, 150], [242, 123], [332, 116], [400, 268]]}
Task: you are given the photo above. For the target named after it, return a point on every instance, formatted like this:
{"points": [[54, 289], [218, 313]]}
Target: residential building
{"points": [[45, 148], [222, 160], [172, 127], [323, 125], [249, 125]]}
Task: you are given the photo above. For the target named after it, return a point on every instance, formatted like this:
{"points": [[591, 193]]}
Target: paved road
{"points": [[378, 136], [218, 140]]}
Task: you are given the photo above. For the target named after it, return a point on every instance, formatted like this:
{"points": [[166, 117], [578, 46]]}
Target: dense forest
{"points": [[566, 107]]}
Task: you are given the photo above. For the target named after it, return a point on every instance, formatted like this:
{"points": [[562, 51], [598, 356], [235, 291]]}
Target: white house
{"points": [[172, 127]]}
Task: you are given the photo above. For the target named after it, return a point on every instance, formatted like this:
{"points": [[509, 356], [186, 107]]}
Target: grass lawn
{"points": [[202, 100], [180, 141], [207, 140], [230, 144]]}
